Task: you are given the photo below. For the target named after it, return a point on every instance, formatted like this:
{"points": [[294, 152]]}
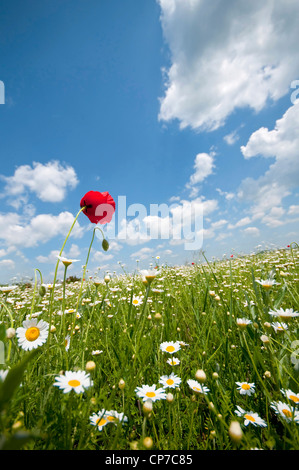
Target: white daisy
{"points": [[76, 381], [67, 342], [243, 322], [170, 381], [285, 411], [173, 361], [8, 289], [32, 334], [114, 417], [67, 261], [170, 346], [294, 397], [99, 419], [246, 388], [197, 387], [149, 392], [284, 314], [250, 417], [136, 300], [104, 417], [149, 275], [267, 284], [279, 327]]}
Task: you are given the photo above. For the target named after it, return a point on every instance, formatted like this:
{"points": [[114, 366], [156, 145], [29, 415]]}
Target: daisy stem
{"points": [[11, 325], [143, 428], [142, 318], [255, 368], [191, 426], [33, 298], [55, 276], [83, 277]]}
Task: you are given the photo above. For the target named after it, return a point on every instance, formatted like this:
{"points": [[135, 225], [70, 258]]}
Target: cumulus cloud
{"points": [[7, 264], [14, 231], [178, 222], [203, 167], [252, 231], [280, 145], [142, 254], [226, 57], [49, 182]]}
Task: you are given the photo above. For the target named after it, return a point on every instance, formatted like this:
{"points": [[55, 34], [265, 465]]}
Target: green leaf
{"points": [[2, 332], [14, 378]]}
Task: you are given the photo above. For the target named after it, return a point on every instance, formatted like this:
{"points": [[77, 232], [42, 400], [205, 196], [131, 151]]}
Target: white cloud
{"points": [[14, 231], [252, 231], [179, 222], [72, 253], [48, 181], [7, 264], [203, 167], [231, 138], [281, 146], [224, 58], [244, 221], [142, 254], [293, 210], [228, 196], [100, 256]]}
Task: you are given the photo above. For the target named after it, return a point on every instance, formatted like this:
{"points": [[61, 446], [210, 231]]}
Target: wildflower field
{"points": [[197, 357]]}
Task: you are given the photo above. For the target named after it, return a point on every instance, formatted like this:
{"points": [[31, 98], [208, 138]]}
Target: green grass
{"points": [[199, 305]]}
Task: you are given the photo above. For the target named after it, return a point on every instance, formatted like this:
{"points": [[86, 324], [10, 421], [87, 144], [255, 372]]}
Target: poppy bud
{"points": [[42, 290], [105, 245]]}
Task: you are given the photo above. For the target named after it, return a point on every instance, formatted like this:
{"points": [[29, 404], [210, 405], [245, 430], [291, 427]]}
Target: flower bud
{"points": [[121, 384], [90, 365], [148, 442], [147, 407], [235, 432], [10, 332], [200, 376], [105, 245], [265, 339], [42, 291]]}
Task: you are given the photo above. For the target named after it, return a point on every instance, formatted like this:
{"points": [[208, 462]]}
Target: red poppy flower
{"points": [[100, 207]]}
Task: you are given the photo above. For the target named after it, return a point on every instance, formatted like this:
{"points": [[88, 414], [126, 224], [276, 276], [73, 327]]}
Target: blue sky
{"points": [[160, 101]]}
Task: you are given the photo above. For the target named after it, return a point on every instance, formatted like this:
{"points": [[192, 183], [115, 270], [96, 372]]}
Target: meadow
{"points": [[196, 357]]}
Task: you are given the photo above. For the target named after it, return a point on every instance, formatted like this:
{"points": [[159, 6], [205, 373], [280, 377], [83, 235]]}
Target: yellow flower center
{"points": [[32, 333], [170, 382], [170, 348], [150, 394], [67, 263], [101, 421], [111, 418], [249, 417], [245, 386], [287, 413], [135, 301], [196, 389], [294, 398], [74, 383]]}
